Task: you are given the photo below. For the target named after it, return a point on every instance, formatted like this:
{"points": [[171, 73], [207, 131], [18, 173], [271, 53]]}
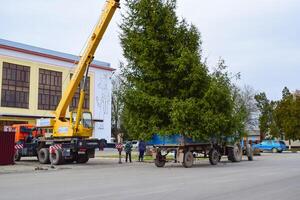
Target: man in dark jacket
{"points": [[128, 149], [142, 148]]}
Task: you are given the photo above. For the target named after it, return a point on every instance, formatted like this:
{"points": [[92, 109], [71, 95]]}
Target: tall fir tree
{"points": [[169, 89]]}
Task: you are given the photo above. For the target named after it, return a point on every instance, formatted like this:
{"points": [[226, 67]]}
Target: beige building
{"points": [[32, 80]]}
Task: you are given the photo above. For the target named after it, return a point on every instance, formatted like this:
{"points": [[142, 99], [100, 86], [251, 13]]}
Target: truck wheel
{"points": [[249, 152], [188, 159], [43, 156], [56, 158], [214, 157], [17, 156], [82, 158]]}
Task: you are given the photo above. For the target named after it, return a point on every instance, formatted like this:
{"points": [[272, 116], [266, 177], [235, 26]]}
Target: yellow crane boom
{"points": [[86, 58], [80, 123]]}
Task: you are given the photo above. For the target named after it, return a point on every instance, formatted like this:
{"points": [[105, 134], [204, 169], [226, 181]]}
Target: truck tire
{"points": [[82, 158], [235, 154], [17, 156], [159, 161], [214, 156], [43, 156], [56, 158], [188, 159], [249, 152]]}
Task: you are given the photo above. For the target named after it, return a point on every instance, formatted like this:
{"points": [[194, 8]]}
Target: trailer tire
{"points": [[230, 154], [56, 158], [82, 159], [159, 162], [249, 152], [188, 159], [43, 156], [214, 157], [235, 154], [17, 156]]}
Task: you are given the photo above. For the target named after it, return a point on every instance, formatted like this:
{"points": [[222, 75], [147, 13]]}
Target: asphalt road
{"points": [[268, 177]]}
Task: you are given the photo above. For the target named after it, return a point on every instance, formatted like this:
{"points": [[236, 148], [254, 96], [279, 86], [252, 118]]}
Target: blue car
{"points": [[270, 145]]}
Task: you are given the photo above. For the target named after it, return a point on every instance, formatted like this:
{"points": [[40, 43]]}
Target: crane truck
{"points": [[66, 139]]}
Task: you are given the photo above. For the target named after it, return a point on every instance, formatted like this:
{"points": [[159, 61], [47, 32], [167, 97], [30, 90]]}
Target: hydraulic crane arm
{"points": [[86, 58]]}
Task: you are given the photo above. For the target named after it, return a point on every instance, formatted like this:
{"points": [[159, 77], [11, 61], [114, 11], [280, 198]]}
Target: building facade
{"points": [[32, 80]]}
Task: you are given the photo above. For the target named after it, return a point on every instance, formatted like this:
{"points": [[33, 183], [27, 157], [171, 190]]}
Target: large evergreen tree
{"points": [[169, 88]]}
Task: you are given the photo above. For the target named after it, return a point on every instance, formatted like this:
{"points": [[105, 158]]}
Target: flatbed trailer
{"points": [[186, 150]]}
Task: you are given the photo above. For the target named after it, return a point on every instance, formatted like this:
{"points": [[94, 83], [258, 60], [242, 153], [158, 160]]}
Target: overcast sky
{"points": [[259, 38]]}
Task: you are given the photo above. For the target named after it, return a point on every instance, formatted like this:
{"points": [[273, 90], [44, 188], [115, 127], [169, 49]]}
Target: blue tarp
{"points": [[175, 139]]}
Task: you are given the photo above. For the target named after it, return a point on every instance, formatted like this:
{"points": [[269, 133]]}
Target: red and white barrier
{"points": [[19, 146], [55, 147]]}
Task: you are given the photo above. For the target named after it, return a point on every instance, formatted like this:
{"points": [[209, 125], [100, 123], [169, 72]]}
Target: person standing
{"points": [[128, 149], [142, 148]]}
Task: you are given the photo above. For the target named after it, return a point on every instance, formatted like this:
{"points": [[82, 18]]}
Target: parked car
{"points": [[135, 144], [270, 145]]}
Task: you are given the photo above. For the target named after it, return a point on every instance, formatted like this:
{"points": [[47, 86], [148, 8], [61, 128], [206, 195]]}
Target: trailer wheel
{"points": [[17, 156], [159, 160], [188, 159], [235, 154], [249, 151], [82, 158], [214, 157], [56, 158], [43, 156], [230, 154]]}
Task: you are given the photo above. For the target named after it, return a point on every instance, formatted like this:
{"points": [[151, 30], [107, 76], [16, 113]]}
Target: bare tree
{"points": [[247, 95], [117, 104]]}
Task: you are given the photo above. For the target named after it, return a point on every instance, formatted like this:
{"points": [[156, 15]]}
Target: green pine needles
{"points": [[168, 86]]}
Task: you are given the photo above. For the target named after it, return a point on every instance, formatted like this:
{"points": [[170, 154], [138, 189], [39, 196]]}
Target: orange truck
{"points": [[24, 131], [26, 140]]}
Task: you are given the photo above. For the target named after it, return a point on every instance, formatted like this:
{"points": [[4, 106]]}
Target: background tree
{"points": [[247, 95], [169, 87], [265, 118], [118, 88], [288, 115]]}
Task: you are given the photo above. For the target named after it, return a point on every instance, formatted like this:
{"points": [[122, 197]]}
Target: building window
{"points": [[50, 83], [75, 100], [15, 85]]}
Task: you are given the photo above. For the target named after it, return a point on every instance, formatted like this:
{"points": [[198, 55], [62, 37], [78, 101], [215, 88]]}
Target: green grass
{"points": [[294, 149]]}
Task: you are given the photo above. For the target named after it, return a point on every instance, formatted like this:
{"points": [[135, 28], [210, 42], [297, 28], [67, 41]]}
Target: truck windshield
{"points": [[25, 129], [87, 120]]}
